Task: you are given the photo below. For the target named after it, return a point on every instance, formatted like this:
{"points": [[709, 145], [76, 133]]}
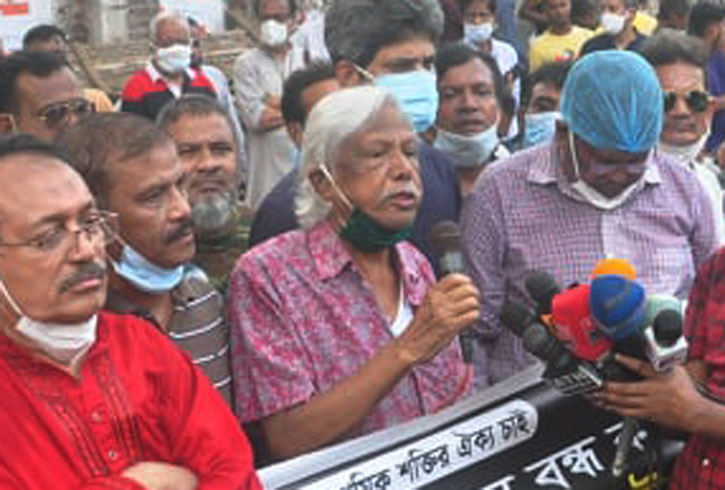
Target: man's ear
{"points": [[7, 123], [322, 185], [347, 75]]}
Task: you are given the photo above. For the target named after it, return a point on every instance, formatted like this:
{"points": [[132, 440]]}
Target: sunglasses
{"points": [[696, 100], [59, 113]]}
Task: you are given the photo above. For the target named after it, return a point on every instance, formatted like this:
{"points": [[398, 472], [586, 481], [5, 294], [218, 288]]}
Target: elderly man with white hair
{"points": [[338, 328], [168, 74]]}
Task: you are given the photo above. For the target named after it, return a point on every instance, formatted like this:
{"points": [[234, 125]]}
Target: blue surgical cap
{"points": [[612, 100]]}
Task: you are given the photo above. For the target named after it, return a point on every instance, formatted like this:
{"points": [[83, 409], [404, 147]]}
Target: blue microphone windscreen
{"points": [[618, 305]]}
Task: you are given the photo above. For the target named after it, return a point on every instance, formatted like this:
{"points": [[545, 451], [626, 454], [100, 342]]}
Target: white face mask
{"points": [[613, 23], [687, 154], [593, 196], [64, 343], [175, 58], [477, 34], [468, 151], [273, 33]]}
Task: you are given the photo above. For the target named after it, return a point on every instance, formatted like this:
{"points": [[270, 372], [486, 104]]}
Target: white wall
{"points": [[12, 27]]}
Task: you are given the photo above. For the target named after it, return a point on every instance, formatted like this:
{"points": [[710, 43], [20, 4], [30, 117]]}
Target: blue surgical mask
{"points": [[415, 91], [146, 276], [468, 151], [540, 127]]}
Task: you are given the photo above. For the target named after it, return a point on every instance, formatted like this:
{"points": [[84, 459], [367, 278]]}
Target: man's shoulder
{"points": [[277, 251], [581, 32], [137, 84], [508, 175]]}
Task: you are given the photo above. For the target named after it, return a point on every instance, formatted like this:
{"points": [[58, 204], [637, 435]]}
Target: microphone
{"points": [[445, 237], [564, 371], [541, 288], [622, 267], [574, 325], [665, 345]]}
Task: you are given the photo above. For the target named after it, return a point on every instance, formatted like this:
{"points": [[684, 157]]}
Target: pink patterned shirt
{"points": [[303, 319]]}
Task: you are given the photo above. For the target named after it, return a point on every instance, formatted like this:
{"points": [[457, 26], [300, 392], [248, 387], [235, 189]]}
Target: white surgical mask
{"points": [[62, 342], [273, 33], [468, 151], [148, 277], [477, 34], [687, 154], [175, 58], [613, 23], [593, 196]]}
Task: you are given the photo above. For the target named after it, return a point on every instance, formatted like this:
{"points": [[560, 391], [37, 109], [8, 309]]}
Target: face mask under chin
{"points": [[361, 230]]}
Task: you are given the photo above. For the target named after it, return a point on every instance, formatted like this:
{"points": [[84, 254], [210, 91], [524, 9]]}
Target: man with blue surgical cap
{"points": [[597, 190]]}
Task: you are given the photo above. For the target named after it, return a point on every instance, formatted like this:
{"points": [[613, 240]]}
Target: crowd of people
{"points": [[208, 275]]}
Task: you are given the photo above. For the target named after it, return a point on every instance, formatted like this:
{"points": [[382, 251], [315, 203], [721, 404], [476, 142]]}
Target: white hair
{"points": [[166, 16], [336, 117]]}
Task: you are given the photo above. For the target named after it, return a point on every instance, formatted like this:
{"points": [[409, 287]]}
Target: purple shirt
{"points": [[303, 319], [524, 215]]}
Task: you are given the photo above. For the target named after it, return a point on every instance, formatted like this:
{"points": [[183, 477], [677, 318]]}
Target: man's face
{"points": [[378, 171], [148, 192], [608, 171], [311, 96], [479, 12], [684, 124], [41, 199], [276, 10], [417, 53], [468, 104], [208, 154], [171, 32], [545, 97], [47, 106], [558, 12]]}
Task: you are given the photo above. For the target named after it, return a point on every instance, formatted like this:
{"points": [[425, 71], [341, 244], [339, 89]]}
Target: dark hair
{"points": [[38, 64], [293, 109], [702, 16], [291, 4], [356, 30], [43, 33], [457, 54], [190, 105], [668, 47], [553, 74], [671, 8], [96, 140], [463, 5], [21, 143]]}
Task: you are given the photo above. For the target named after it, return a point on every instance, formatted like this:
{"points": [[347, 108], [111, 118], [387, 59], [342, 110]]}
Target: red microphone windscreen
{"points": [[574, 324]]}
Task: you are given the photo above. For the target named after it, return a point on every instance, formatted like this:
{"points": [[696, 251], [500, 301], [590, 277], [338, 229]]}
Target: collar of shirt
{"points": [[546, 170], [331, 258], [156, 75]]}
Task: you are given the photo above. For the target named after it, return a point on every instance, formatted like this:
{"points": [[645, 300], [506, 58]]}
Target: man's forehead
{"points": [[172, 29], [413, 48], [39, 92], [193, 128], [473, 72]]}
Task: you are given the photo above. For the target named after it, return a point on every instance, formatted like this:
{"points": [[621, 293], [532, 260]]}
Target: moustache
{"points": [[85, 272], [181, 232], [409, 188]]}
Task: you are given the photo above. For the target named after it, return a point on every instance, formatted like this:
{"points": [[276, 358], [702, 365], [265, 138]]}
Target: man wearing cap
{"points": [[598, 190]]}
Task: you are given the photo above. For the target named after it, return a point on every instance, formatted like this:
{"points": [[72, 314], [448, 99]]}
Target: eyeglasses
{"points": [[696, 100], [97, 226], [56, 114]]}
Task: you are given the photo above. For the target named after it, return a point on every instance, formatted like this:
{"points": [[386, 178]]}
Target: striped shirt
{"points": [[524, 215], [198, 326]]}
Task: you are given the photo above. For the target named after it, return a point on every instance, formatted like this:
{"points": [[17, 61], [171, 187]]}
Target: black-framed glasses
{"points": [[696, 100], [55, 114], [96, 226]]}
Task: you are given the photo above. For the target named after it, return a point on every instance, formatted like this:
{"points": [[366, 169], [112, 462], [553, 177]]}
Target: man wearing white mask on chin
{"points": [[168, 74], [680, 62], [617, 20], [599, 189], [91, 399], [132, 169], [470, 89], [258, 78]]}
